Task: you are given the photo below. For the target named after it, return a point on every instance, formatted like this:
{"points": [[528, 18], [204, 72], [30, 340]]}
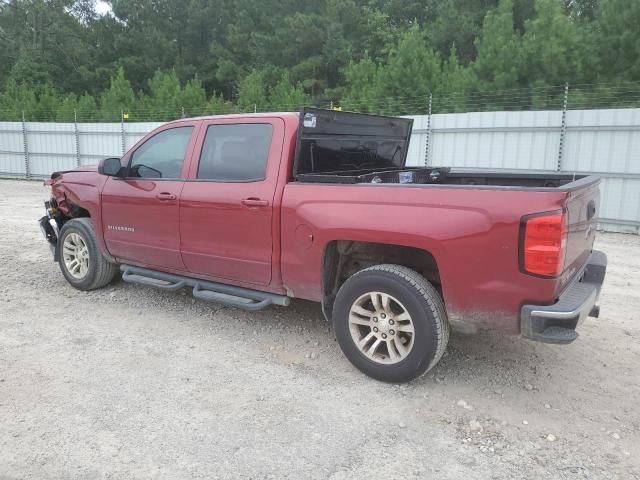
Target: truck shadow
{"points": [[491, 361]]}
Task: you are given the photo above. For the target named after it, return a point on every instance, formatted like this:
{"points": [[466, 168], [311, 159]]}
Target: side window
{"points": [[162, 155], [235, 152]]}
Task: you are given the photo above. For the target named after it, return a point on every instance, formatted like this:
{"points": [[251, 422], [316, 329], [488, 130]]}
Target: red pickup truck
{"points": [[253, 210]]}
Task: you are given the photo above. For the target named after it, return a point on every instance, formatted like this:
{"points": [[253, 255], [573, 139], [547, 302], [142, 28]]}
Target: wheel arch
{"points": [[343, 258], [77, 199]]}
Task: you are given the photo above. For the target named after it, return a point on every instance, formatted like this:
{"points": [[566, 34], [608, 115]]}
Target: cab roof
{"points": [[292, 115]]}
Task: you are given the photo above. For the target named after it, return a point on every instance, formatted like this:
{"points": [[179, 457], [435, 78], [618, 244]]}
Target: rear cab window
{"points": [[235, 152]]}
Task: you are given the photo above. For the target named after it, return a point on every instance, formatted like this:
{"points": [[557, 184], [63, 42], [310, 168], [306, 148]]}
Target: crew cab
{"points": [[254, 210]]}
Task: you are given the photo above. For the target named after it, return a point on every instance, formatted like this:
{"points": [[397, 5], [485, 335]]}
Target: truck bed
{"points": [[351, 148], [443, 176]]}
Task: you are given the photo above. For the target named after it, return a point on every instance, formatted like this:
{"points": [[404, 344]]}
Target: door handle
{"points": [[255, 202], [166, 196]]}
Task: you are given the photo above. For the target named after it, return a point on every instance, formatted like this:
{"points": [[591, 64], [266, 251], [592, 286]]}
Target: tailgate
{"points": [[582, 209]]}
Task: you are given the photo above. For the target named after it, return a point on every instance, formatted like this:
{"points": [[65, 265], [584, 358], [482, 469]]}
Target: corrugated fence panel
{"points": [[606, 142], [515, 140], [99, 140], [620, 203], [11, 149], [135, 131], [603, 141], [52, 146], [417, 146]]}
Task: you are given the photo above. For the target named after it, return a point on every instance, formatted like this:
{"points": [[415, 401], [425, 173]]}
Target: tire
{"points": [[414, 346], [97, 271]]}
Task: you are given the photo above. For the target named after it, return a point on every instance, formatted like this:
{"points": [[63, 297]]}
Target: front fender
{"points": [[82, 190]]}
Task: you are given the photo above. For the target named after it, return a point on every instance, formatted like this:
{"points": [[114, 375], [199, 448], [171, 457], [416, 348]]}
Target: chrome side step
{"points": [[230, 295]]}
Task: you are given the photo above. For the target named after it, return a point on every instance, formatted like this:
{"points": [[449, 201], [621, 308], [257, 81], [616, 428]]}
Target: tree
{"points": [[456, 23], [193, 97], [378, 56], [165, 97], [362, 85], [457, 83], [18, 100], [616, 41], [117, 98], [499, 64], [252, 91], [551, 53], [412, 71], [285, 96], [45, 42]]}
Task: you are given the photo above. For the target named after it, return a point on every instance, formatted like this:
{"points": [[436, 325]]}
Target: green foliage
{"points": [[616, 39], [457, 83], [118, 98], [193, 97], [252, 90], [500, 61], [411, 71], [165, 96], [284, 96], [549, 46], [159, 58]]}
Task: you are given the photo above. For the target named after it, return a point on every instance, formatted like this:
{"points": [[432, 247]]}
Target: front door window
{"points": [[162, 155]]}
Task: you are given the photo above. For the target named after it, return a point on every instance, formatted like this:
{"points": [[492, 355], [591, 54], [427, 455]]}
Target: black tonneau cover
{"points": [[331, 142]]}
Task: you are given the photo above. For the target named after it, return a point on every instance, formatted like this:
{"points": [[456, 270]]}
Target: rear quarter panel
{"points": [[471, 232]]}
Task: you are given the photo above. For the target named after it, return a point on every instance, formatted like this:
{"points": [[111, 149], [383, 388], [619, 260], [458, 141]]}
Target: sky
{"points": [[102, 7]]}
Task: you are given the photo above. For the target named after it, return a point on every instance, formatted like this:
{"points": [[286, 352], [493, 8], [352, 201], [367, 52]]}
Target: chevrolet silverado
{"points": [[253, 210]]}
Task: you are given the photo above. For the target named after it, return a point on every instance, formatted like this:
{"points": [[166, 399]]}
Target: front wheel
{"points": [[80, 259], [391, 323]]}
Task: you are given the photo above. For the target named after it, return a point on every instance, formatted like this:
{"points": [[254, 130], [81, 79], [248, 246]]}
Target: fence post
{"points": [[27, 172], [563, 127], [183, 115], [122, 133], [255, 108], [426, 152], [77, 136]]}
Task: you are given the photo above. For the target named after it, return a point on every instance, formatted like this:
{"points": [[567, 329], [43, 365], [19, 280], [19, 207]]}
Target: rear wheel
{"points": [[391, 323], [80, 259]]}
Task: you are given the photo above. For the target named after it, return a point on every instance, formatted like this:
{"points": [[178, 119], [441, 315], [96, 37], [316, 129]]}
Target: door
{"points": [[226, 207], [140, 213]]}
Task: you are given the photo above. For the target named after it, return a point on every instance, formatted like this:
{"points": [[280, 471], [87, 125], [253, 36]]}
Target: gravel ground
{"points": [[128, 382]]}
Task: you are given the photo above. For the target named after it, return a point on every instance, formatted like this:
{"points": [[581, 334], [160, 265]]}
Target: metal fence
{"points": [[602, 142], [35, 149]]}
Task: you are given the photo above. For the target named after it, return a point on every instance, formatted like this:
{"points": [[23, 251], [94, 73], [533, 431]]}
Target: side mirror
{"points": [[110, 167]]}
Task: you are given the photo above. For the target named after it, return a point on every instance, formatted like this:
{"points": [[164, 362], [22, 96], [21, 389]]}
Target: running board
{"points": [[230, 295]]}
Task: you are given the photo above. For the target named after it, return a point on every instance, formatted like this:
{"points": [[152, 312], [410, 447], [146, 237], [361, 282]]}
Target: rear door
{"points": [[140, 213], [226, 206]]}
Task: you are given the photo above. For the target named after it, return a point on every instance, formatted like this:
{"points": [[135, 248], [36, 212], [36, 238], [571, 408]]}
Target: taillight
{"points": [[543, 242]]}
